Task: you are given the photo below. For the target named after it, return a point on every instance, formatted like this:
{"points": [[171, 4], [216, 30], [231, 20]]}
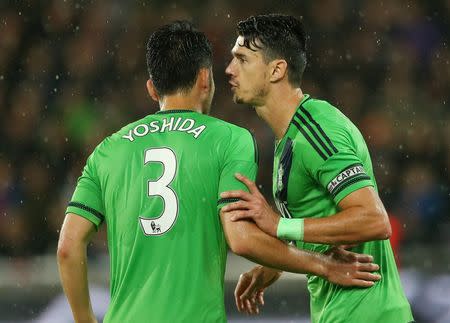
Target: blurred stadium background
{"points": [[73, 72]]}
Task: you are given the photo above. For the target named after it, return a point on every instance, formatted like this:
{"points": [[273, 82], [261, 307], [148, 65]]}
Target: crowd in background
{"points": [[73, 72]]}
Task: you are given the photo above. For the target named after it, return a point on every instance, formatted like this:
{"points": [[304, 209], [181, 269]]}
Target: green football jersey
{"points": [[320, 160], [157, 183]]}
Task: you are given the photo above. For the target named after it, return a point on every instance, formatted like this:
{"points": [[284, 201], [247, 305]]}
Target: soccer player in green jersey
{"points": [[323, 182], [156, 184]]}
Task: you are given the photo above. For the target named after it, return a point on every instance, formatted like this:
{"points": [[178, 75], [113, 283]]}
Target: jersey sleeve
{"points": [[340, 174], [241, 156], [87, 199]]}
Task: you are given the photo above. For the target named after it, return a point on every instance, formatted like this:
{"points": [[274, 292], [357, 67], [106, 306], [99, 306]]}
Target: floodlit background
{"points": [[73, 72]]}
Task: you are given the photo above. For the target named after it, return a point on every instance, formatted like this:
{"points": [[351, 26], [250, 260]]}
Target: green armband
{"points": [[290, 229]]}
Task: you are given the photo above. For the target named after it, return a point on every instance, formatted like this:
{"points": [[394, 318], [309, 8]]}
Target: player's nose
{"points": [[229, 69]]}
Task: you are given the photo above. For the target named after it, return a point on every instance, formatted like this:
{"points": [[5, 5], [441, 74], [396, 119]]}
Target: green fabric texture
{"points": [[156, 183], [321, 159]]}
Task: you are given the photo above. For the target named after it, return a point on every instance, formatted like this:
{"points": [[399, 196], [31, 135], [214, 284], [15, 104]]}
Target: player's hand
{"points": [[249, 292], [347, 268], [252, 205]]}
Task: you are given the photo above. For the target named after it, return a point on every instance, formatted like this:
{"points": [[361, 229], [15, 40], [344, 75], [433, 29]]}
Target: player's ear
{"points": [[152, 90], [204, 79], [278, 70]]}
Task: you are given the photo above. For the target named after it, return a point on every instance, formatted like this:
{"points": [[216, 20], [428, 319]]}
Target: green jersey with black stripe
{"points": [[320, 160], [157, 183]]}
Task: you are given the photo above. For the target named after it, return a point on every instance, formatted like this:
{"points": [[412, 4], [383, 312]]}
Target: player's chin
{"points": [[237, 99]]}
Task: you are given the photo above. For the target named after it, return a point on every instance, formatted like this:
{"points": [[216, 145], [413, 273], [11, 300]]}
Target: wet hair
{"points": [[175, 54], [277, 36]]}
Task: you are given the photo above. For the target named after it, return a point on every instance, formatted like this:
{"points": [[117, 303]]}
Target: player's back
{"points": [[160, 178]]}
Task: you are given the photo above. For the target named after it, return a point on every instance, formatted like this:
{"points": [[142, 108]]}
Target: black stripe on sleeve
{"points": [[319, 128], [346, 184], [314, 133], [228, 200], [94, 212], [307, 137]]}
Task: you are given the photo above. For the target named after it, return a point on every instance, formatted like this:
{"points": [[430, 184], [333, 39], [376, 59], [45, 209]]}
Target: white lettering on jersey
{"points": [[141, 130], [155, 126], [185, 127], [176, 124], [345, 175], [165, 125], [129, 136], [197, 131]]}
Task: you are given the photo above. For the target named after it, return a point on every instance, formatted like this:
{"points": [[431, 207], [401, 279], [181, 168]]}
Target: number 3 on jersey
{"points": [[160, 187]]}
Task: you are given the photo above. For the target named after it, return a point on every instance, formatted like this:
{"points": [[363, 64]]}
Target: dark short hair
{"points": [[278, 36], [175, 54]]}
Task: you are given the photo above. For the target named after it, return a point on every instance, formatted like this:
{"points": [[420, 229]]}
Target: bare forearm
{"points": [[271, 275], [352, 225], [73, 272], [275, 254], [363, 218], [250, 242]]}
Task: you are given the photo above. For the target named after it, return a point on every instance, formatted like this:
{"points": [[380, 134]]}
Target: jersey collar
{"points": [[305, 98], [174, 111]]}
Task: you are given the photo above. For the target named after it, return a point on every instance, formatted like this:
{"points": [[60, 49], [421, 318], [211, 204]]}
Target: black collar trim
{"points": [[174, 111]]}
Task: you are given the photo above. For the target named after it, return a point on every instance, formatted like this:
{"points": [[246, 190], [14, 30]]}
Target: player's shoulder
{"points": [[226, 129], [321, 117], [318, 110], [321, 127], [231, 138], [224, 124], [112, 141], [235, 141], [132, 125]]}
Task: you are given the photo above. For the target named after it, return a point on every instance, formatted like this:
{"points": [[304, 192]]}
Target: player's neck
{"points": [[279, 108], [180, 102]]}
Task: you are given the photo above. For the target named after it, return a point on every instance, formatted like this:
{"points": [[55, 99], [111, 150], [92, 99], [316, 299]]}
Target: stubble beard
{"points": [[253, 101], [237, 99]]}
